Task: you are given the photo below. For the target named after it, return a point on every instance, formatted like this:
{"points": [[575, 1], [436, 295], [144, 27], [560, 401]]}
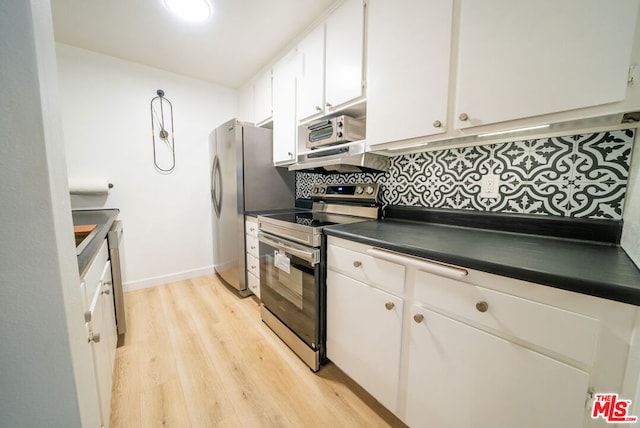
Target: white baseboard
{"points": [[165, 279]]}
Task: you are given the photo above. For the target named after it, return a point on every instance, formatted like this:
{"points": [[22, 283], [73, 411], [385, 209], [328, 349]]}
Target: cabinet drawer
{"points": [[383, 274], [251, 226], [253, 282], [94, 274], [252, 246], [253, 265], [567, 333]]}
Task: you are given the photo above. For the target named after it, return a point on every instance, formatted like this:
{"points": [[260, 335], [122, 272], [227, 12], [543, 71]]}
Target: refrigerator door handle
{"points": [[216, 186]]}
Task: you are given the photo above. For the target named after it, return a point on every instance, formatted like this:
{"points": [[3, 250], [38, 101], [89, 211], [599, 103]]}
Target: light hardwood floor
{"points": [[196, 355]]}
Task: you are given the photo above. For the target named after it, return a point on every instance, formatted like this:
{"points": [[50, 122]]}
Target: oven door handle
{"points": [[312, 256]]}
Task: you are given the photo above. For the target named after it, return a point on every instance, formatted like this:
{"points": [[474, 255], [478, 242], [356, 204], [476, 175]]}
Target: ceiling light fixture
{"points": [[190, 10]]}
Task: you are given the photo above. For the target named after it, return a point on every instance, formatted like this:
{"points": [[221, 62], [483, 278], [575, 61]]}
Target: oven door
{"points": [[290, 285]]}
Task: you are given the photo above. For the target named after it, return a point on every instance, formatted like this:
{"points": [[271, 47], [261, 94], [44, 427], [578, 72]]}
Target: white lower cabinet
{"points": [[252, 255], [101, 326], [364, 329], [445, 346], [461, 376]]}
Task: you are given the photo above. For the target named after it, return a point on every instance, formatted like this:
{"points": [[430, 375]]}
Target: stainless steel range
{"points": [[292, 264]]}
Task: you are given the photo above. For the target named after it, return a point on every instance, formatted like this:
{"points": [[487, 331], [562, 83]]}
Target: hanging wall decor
{"points": [[164, 154]]}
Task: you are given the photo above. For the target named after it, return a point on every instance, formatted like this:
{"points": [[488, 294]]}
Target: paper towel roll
{"points": [[89, 186]]}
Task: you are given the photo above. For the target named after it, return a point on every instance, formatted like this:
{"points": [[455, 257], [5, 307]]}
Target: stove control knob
{"points": [[359, 190], [323, 190], [369, 190], [315, 190]]}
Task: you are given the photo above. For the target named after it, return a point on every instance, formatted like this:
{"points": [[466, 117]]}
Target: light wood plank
{"points": [[197, 355]]}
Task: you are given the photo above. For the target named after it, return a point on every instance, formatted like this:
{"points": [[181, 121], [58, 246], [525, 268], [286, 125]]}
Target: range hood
{"points": [[342, 158]]}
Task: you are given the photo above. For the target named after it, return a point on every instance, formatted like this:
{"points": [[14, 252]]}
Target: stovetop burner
{"points": [[312, 219], [333, 204]]}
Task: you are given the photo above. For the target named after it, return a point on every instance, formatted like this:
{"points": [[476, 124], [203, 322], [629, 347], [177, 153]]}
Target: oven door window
{"points": [[289, 290]]}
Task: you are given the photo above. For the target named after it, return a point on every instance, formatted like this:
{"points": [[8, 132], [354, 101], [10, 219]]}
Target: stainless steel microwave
{"points": [[336, 130]]}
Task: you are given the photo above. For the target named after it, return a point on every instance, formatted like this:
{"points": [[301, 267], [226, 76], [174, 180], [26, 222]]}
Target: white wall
{"points": [[46, 369], [631, 228], [107, 127]]}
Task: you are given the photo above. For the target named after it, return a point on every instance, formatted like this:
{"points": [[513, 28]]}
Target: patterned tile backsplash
{"points": [[582, 176]]}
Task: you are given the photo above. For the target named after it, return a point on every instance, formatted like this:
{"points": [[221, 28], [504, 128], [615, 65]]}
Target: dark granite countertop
{"points": [[598, 269], [104, 219]]}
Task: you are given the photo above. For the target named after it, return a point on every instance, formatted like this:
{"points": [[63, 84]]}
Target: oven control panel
{"points": [[360, 191]]}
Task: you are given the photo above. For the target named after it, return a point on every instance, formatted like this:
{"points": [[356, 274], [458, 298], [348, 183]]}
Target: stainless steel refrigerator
{"points": [[243, 179]]}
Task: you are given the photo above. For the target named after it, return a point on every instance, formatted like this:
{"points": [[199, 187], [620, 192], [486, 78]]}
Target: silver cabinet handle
{"points": [[357, 264], [418, 318], [421, 264], [389, 305], [328, 104], [437, 124], [94, 337], [482, 306], [318, 108], [106, 291], [463, 116], [87, 316]]}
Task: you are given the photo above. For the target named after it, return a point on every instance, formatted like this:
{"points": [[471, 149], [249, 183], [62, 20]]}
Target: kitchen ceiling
{"points": [[235, 43]]}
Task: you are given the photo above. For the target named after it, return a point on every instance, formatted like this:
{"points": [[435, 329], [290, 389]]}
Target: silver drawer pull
{"points": [[357, 264], [421, 264], [389, 305], [482, 306], [418, 318]]}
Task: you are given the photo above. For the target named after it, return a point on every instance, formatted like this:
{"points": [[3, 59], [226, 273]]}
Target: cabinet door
{"points": [[99, 343], [408, 55], [110, 329], [344, 53], [460, 376], [364, 329], [262, 98], [310, 82], [520, 59], [284, 110]]}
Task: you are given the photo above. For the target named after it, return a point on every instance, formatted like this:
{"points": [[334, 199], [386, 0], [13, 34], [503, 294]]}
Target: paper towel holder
{"points": [[162, 118], [83, 186]]}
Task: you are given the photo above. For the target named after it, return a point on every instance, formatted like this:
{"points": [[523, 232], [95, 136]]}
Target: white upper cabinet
{"points": [[344, 54], [330, 71], [284, 110], [262, 98], [310, 82], [409, 49], [522, 58], [448, 71]]}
